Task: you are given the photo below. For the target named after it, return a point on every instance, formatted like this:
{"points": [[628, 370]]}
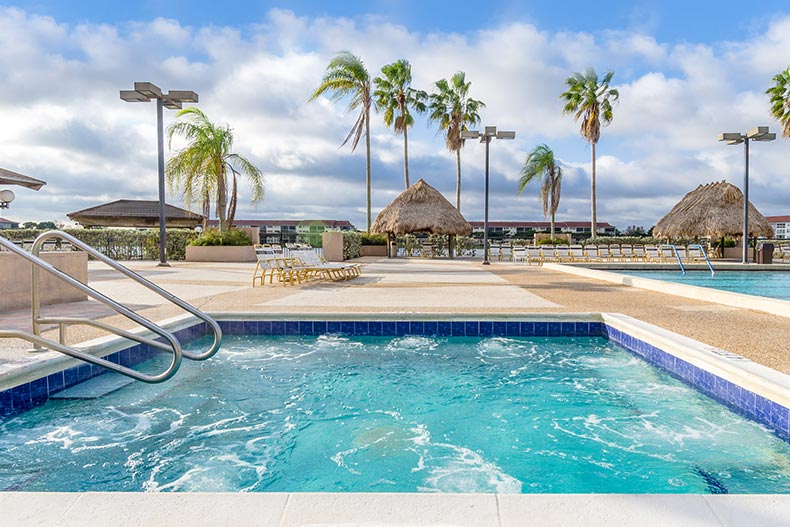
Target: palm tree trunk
{"points": [[406, 155], [594, 222], [367, 161], [221, 199], [232, 204], [458, 180]]}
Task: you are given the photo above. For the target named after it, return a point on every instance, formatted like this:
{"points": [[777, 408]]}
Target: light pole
{"points": [[144, 92], [734, 138], [485, 137]]}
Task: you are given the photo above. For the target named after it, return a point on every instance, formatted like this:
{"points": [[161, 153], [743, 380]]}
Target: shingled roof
{"points": [[134, 213]]}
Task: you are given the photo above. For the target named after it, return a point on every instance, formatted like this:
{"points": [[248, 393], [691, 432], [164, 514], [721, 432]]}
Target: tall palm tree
{"points": [[346, 76], [453, 109], [541, 165], [590, 101], [394, 94], [780, 100], [200, 169]]}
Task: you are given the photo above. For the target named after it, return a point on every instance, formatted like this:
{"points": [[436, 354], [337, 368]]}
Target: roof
{"points": [[777, 219], [3, 220], [542, 224], [289, 223], [134, 213], [715, 210], [8, 177], [421, 208]]}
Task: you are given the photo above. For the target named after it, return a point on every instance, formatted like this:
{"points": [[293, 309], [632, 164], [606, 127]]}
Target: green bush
{"points": [[553, 241], [621, 240], [373, 239], [351, 243], [213, 237], [728, 242]]}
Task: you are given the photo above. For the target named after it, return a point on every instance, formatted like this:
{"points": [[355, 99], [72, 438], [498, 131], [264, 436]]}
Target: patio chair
{"points": [[627, 252], [577, 253], [639, 253], [535, 255], [652, 254], [591, 253], [494, 251], [427, 250], [616, 253], [506, 253], [562, 253], [519, 253], [604, 254]]}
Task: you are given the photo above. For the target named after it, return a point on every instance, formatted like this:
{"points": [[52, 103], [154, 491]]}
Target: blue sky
{"points": [[686, 71]]}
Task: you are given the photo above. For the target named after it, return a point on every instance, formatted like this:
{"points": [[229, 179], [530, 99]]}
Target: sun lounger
{"points": [[591, 253], [577, 253], [562, 253]]}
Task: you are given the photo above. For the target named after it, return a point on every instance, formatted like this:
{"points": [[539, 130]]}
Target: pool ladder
{"points": [[680, 260], [170, 344]]}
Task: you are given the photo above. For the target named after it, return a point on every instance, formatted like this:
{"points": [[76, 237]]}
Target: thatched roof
{"points": [[134, 213], [12, 178], [714, 210], [421, 208]]}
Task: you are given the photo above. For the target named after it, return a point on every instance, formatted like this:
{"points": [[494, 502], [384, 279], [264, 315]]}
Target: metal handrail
{"points": [[38, 320], [705, 254], [175, 363], [35, 338], [675, 252]]}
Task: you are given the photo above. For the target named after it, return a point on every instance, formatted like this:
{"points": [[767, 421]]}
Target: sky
{"points": [[686, 71]]}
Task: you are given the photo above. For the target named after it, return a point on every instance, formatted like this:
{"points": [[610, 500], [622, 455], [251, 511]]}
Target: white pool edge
{"points": [[727, 298]]}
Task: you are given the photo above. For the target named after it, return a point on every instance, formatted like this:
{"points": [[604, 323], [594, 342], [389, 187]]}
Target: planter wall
{"points": [[16, 272], [332, 243], [373, 250], [220, 253]]}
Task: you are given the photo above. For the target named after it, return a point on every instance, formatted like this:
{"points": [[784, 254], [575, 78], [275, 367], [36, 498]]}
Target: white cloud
{"points": [[63, 120]]}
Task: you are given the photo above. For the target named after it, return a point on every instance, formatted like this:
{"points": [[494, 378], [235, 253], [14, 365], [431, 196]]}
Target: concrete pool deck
{"points": [[409, 286]]}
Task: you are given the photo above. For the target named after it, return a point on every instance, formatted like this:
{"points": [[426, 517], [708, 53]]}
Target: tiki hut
{"points": [[421, 208], [714, 210]]}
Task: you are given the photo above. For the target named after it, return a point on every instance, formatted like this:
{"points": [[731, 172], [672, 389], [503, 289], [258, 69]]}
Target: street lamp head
{"points": [[148, 89], [133, 96], [490, 131], [182, 96], [731, 138], [169, 103], [760, 133], [470, 134], [6, 197], [506, 135]]}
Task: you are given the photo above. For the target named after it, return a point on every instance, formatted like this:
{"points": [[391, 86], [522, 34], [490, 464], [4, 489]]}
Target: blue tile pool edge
{"points": [[773, 415]]}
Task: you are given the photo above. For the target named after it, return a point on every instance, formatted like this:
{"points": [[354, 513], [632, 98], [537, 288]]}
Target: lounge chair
{"points": [[562, 253], [535, 255], [604, 254], [591, 253], [577, 253], [616, 253]]}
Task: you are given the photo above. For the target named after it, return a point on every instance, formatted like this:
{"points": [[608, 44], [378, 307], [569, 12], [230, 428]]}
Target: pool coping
{"points": [[758, 303]]}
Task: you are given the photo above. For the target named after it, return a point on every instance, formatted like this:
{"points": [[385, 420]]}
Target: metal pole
{"points": [[485, 219], [745, 242], [161, 145]]}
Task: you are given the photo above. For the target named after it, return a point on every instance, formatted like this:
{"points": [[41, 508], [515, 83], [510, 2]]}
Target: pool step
{"points": [[94, 388]]}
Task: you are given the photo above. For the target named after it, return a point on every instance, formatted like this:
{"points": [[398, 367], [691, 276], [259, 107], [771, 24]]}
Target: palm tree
{"points": [[200, 169], [453, 109], [591, 101], [346, 76], [780, 100], [394, 93], [541, 165]]}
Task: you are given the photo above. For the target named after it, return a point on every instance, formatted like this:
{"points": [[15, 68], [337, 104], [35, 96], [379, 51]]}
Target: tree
{"points": [[30, 225], [394, 94], [200, 169], [46, 225], [346, 76], [591, 102], [780, 100], [633, 230], [453, 109], [541, 165]]}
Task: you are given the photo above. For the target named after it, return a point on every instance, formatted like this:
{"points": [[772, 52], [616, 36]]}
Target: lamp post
{"points": [[6, 197], [489, 133], [734, 138], [144, 92]]}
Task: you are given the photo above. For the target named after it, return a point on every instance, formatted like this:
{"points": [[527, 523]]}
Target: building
{"points": [[781, 225], [513, 229], [8, 224], [134, 213], [292, 231]]}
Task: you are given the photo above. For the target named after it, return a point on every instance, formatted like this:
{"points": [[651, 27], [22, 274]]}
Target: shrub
{"points": [[351, 243], [465, 245], [213, 237], [728, 242], [553, 241], [373, 239]]}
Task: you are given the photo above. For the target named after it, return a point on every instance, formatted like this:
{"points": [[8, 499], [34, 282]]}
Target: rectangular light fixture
{"points": [[732, 138], [148, 89], [182, 96], [757, 132], [490, 130], [133, 96], [506, 135], [469, 134], [171, 104]]}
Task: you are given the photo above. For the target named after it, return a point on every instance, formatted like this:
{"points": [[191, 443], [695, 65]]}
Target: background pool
{"points": [[405, 414], [771, 284]]}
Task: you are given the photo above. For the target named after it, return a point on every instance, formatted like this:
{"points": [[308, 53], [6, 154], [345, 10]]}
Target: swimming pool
{"points": [[771, 284], [338, 411]]}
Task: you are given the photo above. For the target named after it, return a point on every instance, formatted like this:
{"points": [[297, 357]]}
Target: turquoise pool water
{"points": [[771, 284], [398, 414]]}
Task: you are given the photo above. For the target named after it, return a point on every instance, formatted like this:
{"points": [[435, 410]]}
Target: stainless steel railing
{"points": [[62, 322]]}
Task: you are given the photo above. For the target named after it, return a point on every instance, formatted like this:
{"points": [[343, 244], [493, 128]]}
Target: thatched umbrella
{"points": [[421, 208], [714, 210]]}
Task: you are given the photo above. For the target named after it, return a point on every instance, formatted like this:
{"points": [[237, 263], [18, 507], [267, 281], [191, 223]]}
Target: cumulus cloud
{"points": [[63, 120]]}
